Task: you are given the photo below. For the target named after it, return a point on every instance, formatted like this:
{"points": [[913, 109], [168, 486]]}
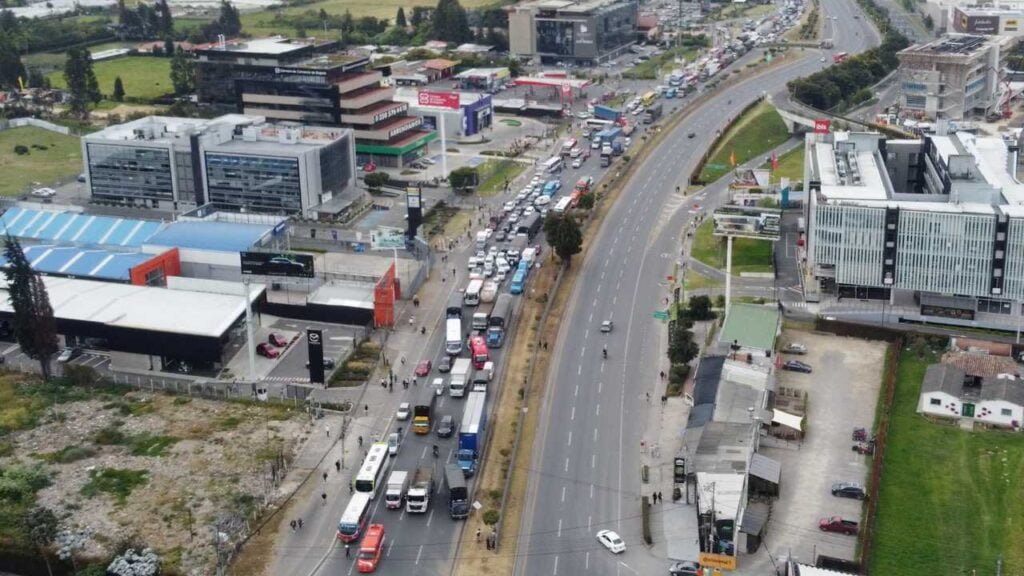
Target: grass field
{"points": [[951, 501], [62, 159], [747, 255], [791, 165], [695, 281], [144, 77], [494, 174], [758, 131], [261, 23]]}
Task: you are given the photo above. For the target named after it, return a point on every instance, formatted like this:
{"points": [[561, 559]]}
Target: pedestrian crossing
{"points": [[286, 379]]}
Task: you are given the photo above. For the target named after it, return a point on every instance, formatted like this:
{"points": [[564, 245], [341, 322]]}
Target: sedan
{"points": [[607, 326], [44, 192], [611, 541], [797, 366], [266, 350], [446, 427], [582, 115], [513, 217], [686, 568], [849, 490], [501, 236], [404, 410], [423, 368], [277, 340], [577, 162], [445, 364]]}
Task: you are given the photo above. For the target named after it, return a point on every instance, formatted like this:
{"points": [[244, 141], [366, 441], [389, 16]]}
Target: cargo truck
{"points": [[606, 113], [489, 291], [458, 494], [398, 484], [417, 501], [481, 316], [472, 433], [482, 377], [653, 113], [459, 377], [423, 410], [500, 316]]}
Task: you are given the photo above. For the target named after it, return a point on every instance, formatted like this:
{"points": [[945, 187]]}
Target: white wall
{"points": [[990, 412], [949, 406]]}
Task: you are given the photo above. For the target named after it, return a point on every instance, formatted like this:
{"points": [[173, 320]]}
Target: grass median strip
{"points": [[748, 255], [754, 134]]}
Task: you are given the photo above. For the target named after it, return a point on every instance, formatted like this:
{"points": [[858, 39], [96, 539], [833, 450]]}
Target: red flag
{"points": [[775, 162]]}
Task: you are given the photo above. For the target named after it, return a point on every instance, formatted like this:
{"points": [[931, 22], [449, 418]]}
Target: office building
{"points": [[312, 82], [582, 33], [474, 114], [940, 219], [236, 161], [954, 77]]}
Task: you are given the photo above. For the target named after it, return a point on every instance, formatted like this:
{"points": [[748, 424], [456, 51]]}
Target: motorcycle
{"points": [[860, 435], [866, 449]]}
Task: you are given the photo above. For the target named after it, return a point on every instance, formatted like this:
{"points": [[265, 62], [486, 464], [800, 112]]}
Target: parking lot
{"points": [[841, 392], [291, 366]]}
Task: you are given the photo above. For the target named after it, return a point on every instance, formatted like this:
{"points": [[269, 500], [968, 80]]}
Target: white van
{"points": [[394, 443], [481, 240]]}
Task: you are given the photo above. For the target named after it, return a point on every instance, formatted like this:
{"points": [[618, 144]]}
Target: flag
{"points": [[775, 162], [732, 158]]}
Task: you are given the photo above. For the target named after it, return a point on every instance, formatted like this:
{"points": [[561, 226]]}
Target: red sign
{"points": [[821, 126], [437, 99], [369, 167]]}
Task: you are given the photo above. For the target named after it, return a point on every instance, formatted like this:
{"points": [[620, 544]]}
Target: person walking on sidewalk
{"points": [[325, 477], [327, 428], [337, 465], [294, 524], [477, 535]]}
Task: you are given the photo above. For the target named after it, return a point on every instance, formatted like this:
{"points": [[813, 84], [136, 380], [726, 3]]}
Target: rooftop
{"points": [[273, 45], [751, 326], [71, 261], [214, 236], [76, 228], [951, 44], [983, 365], [169, 129]]}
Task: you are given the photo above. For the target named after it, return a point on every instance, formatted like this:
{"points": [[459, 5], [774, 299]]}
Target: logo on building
{"points": [[437, 99]]}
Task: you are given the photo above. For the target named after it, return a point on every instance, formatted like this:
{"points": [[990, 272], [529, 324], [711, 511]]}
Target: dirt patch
{"points": [[202, 464]]}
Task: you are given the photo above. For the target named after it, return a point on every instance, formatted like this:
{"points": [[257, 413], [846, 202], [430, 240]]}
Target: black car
{"points": [[797, 366], [446, 427], [849, 490], [691, 134]]}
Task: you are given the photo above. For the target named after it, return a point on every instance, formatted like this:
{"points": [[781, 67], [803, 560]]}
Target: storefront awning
{"points": [[787, 420]]}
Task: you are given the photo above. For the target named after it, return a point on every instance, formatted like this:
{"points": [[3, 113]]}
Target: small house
{"points": [[949, 392]]}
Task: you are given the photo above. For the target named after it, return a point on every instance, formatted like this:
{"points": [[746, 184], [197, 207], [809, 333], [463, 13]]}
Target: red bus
{"points": [[371, 549], [478, 351]]}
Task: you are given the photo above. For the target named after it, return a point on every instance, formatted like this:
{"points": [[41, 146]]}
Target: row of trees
{"points": [[145, 22], [683, 347]]}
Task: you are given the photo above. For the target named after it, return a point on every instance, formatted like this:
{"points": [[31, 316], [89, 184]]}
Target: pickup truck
{"points": [[837, 524], [794, 348]]}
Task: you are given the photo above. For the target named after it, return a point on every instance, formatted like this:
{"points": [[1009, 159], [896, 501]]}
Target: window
{"points": [[914, 87], [1006, 412], [918, 102], [995, 306], [935, 402]]}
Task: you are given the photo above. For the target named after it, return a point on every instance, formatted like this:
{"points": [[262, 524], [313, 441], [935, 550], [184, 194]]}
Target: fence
{"points": [[22, 122]]}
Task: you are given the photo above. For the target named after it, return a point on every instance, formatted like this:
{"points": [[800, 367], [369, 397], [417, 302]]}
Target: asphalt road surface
{"points": [[587, 458]]}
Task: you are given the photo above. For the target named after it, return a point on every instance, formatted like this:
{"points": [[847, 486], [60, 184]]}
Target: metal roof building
{"points": [[77, 228], [77, 262]]}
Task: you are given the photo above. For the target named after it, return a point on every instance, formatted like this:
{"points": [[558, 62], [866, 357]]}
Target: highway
{"points": [[585, 469]]}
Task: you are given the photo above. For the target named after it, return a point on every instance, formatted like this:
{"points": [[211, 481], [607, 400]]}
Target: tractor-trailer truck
{"points": [[398, 485], [417, 500], [606, 113], [472, 433]]}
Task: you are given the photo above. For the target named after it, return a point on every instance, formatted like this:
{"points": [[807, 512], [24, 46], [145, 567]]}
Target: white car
{"points": [[44, 192], [627, 142], [577, 162], [521, 196], [536, 180], [513, 218], [509, 206], [476, 273], [611, 541], [503, 265], [529, 210], [542, 201], [583, 115], [489, 269], [404, 410], [473, 262], [595, 144]]}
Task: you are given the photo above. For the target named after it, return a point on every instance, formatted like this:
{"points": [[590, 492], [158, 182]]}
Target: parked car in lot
{"points": [[795, 348], [44, 192], [277, 340], [849, 490], [796, 366], [685, 568], [838, 524], [328, 364], [266, 350], [423, 368]]}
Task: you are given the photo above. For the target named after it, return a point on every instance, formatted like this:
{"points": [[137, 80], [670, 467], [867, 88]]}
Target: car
{"points": [[423, 368], [277, 340], [607, 326], [685, 568], [500, 236], [796, 366], [510, 206], [446, 427], [437, 385], [542, 201], [595, 144], [394, 443], [69, 354], [286, 265], [535, 182], [691, 134], [849, 490], [577, 162], [44, 192], [521, 196], [404, 410], [513, 217], [794, 348], [529, 210], [266, 350], [328, 364], [583, 115], [444, 364], [610, 540], [81, 177], [822, 58], [838, 524]]}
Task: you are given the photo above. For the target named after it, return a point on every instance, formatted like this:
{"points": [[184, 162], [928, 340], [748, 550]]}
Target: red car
{"points": [[266, 350], [423, 368], [277, 340], [837, 524]]}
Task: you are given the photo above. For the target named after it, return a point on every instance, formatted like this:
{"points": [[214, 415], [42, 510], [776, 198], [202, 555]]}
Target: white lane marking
{"points": [[595, 303], [599, 386], [591, 319], [572, 415], [598, 287], [563, 493], [586, 333], [556, 566], [598, 410], [603, 271], [566, 464], [583, 351], [570, 444], [430, 517], [579, 371], [593, 460], [559, 527], [602, 368], [577, 391], [391, 545], [589, 518], [614, 300], [595, 434], [591, 496], [418, 554], [586, 563]]}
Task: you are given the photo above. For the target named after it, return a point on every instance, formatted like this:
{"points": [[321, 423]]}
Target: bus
{"points": [[598, 124], [518, 282], [454, 309], [562, 205], [530, 226], [553, 164], [371, 474], [354, 519], [478, 351], [649, 98], [568, 145], [453, 337], [371, 549], [472, 295], [498, 321]]}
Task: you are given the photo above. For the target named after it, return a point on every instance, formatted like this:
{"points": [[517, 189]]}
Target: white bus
{"points": [[453, 337], [598, 123], [371, 473], [472, 296], [354, 519], [562, 205], [553, 164]]}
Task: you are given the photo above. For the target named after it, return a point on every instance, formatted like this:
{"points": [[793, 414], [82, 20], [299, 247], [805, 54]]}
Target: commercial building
{"points": [[934, 225], [954, 77], [988, 21], [582, 33], [474, 114], [311, 82], [235, 161]]}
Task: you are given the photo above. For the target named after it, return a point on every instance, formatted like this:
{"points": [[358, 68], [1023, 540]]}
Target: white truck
{"points": [[398, 484], [483, 376], [459, 379], [481, 239], [489, 291], [417, 501], [529, 255], [481, 317]]}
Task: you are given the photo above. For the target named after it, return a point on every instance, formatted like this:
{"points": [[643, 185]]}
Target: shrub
{"points": [[645, 513], [491, 517], [68, 454], [20, 150], [119, 483], [109, 436]]}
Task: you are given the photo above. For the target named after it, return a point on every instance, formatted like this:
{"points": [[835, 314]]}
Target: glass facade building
{"points": [[129, 174], [259, 183]]}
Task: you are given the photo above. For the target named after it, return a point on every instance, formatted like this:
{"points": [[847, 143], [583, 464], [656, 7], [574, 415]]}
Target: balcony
{"points": [[356, 80], [364, 97], [389, 129], [375, 113]]}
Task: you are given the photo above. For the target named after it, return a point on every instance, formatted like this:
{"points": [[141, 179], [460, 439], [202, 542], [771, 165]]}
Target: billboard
{"points": [[277, 264], [822, 125], [748, 222], [315, 347], [438, 99], [387, 239]]}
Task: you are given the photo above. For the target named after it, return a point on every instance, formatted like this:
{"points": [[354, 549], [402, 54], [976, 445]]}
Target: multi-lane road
{"points": [[585, 471]]}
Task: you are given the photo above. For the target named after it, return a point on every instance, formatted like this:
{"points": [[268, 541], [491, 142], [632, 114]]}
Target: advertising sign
{"points": [[722, 561], [438, 99], [387, 239], [315, 345], [747, 222], [414, 210], [277, 264], [822, 125]]}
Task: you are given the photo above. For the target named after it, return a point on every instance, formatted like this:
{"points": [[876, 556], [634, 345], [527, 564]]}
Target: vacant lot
{"points": [[951, 501], [754, 134], [144, 77], [747, 255], [263, 22], [50, 157], [137, 464]]}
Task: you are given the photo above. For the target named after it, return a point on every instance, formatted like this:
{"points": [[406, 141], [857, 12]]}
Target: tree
{"points": [[169, 47], [682, 348], [375, 180], [11, 68], [165, 22], [564, 235], [348, 23], [700, 308], [227, 23], [420, 14], [400, 18], [34, 326], [118, 90], [586, 202], [463, 179], [450, 22], [183, 73], [81, 81], [40, 524]]}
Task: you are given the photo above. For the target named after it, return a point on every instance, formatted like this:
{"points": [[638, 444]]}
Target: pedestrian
{"points": [[294, 524], [403, 359], [453, 272], [477, 535], [662, 374], [325, 477], [323, 496], [648, 396], [360, 441], [337, 465], [327, 428], [391, 387], [383, 383], [351, 487], [660, 498], [300, 523], [348, 551], [366, 408]]}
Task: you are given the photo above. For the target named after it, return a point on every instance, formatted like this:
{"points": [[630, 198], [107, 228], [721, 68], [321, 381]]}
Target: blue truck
{"points": [[472, 433], [606, 113], [496, 324], [608, 135]]}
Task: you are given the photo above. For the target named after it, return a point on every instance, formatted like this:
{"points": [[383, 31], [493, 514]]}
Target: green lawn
{"points": [[651, 69], [757, 132], [695, 281], [144, 77], [747, 255], [261, 23], [951, 501], [791, 165], [61, 160], [494, 174]]}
